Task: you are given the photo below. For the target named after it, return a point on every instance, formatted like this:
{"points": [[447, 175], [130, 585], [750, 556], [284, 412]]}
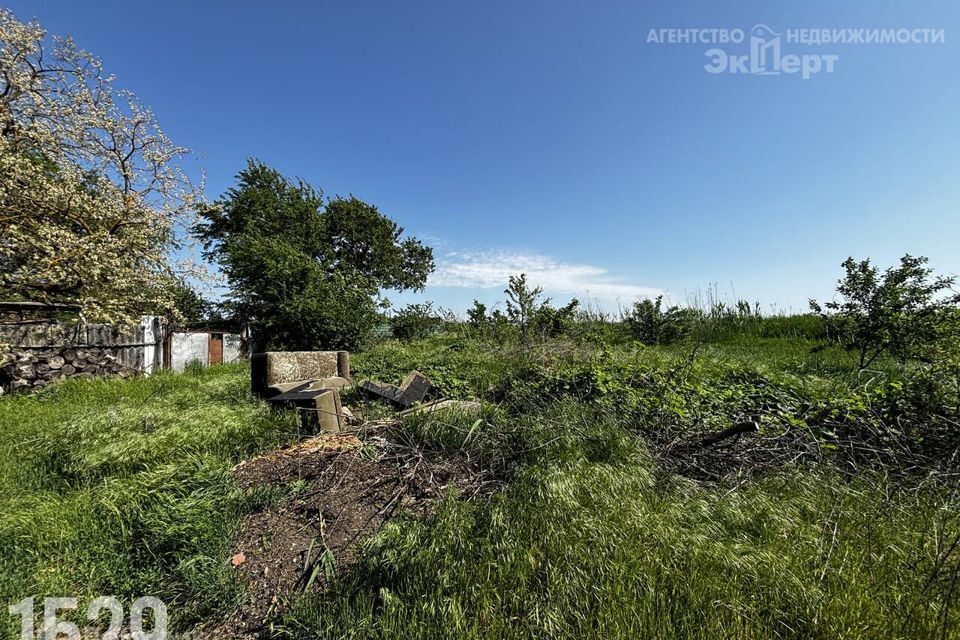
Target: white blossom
{"points": [[92, 193]]}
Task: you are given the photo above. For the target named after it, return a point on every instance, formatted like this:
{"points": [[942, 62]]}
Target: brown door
{"points": [[215, 349]]}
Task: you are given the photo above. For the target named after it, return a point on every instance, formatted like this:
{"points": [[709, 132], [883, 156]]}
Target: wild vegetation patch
{"points": [[599, 492]]}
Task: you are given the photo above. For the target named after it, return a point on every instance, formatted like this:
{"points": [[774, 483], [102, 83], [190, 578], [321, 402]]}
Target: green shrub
{"points": [[651, 323], [532, 314], [415, 321], [894, 313]]}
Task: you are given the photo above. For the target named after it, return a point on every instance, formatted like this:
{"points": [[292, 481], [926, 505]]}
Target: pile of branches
{"points": [[751, 447]]}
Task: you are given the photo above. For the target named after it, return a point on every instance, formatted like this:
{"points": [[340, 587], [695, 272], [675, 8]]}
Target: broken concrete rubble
{"points": [[320, 406], [412, 390], [332, 382], [308, 381], [444, 406], [277, 367], [312, 395], [387, 391]]}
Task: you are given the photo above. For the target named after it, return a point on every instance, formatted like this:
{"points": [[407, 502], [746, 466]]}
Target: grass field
{"points": [[123, 487], [600, 529]]}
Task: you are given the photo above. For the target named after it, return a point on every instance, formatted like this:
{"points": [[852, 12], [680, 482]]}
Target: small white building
{"points": [[203, 346]]}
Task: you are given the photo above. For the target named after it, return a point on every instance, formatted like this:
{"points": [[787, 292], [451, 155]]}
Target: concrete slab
{"points": [[414, 389], [440, 406], [321, 407], [276, 367]]}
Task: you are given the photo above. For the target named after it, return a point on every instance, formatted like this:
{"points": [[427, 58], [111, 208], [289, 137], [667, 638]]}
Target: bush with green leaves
{"points": [[189, 306], [532, 314], [415, 321], [495, 326], [939, 372], [477, 316], [894, 313], [651, 322]]}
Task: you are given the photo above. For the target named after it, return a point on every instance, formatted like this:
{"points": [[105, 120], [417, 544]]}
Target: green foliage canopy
{"points": [[306, 272], [651, 323], [415, 321], [532, 314]]}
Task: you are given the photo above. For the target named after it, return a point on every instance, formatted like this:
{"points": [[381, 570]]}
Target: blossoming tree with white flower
{"points": [[92, 192]]}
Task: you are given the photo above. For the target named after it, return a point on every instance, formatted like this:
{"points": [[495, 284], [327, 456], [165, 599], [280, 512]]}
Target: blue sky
{"points": [[552, 137]]}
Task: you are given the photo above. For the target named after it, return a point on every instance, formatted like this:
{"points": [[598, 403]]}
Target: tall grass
{"points": [[124, 488], [114, 487], [591, 540]]}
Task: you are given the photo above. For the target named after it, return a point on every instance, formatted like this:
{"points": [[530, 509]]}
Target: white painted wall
{"points": [[186, 347], [231, 347]]}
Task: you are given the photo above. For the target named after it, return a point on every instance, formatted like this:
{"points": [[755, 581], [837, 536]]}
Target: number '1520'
{"points": [[53, 628]]}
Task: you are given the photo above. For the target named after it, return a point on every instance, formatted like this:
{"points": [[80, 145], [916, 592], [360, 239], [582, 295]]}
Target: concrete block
{"points": [[333, 382], [343, 364], [319, 407], [276, 367], [330, 416], [459, 407], [413, 389], [386, 391]]}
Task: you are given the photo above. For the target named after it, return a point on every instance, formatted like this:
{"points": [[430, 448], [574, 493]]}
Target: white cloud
{"points": [[491, 269]]}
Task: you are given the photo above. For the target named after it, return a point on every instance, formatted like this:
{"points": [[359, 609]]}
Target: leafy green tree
{"points": [[895, 312], [306, 272], [188, 306], [477, 316], [551, 321], [363, 239], [523, 301]]}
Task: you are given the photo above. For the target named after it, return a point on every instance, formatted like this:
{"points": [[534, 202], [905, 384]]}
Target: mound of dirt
{"points": [[346, 489]]}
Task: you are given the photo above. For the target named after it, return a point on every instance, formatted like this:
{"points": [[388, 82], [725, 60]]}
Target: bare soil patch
{"points": [[349, 487]]}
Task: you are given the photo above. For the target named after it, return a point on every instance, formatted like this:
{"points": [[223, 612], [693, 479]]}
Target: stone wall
{"points": [[139, 347], [30, 370]]}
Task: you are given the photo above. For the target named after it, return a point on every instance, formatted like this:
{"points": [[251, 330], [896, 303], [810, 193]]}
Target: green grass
{"points": [[123, 487], [590, 540]]}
